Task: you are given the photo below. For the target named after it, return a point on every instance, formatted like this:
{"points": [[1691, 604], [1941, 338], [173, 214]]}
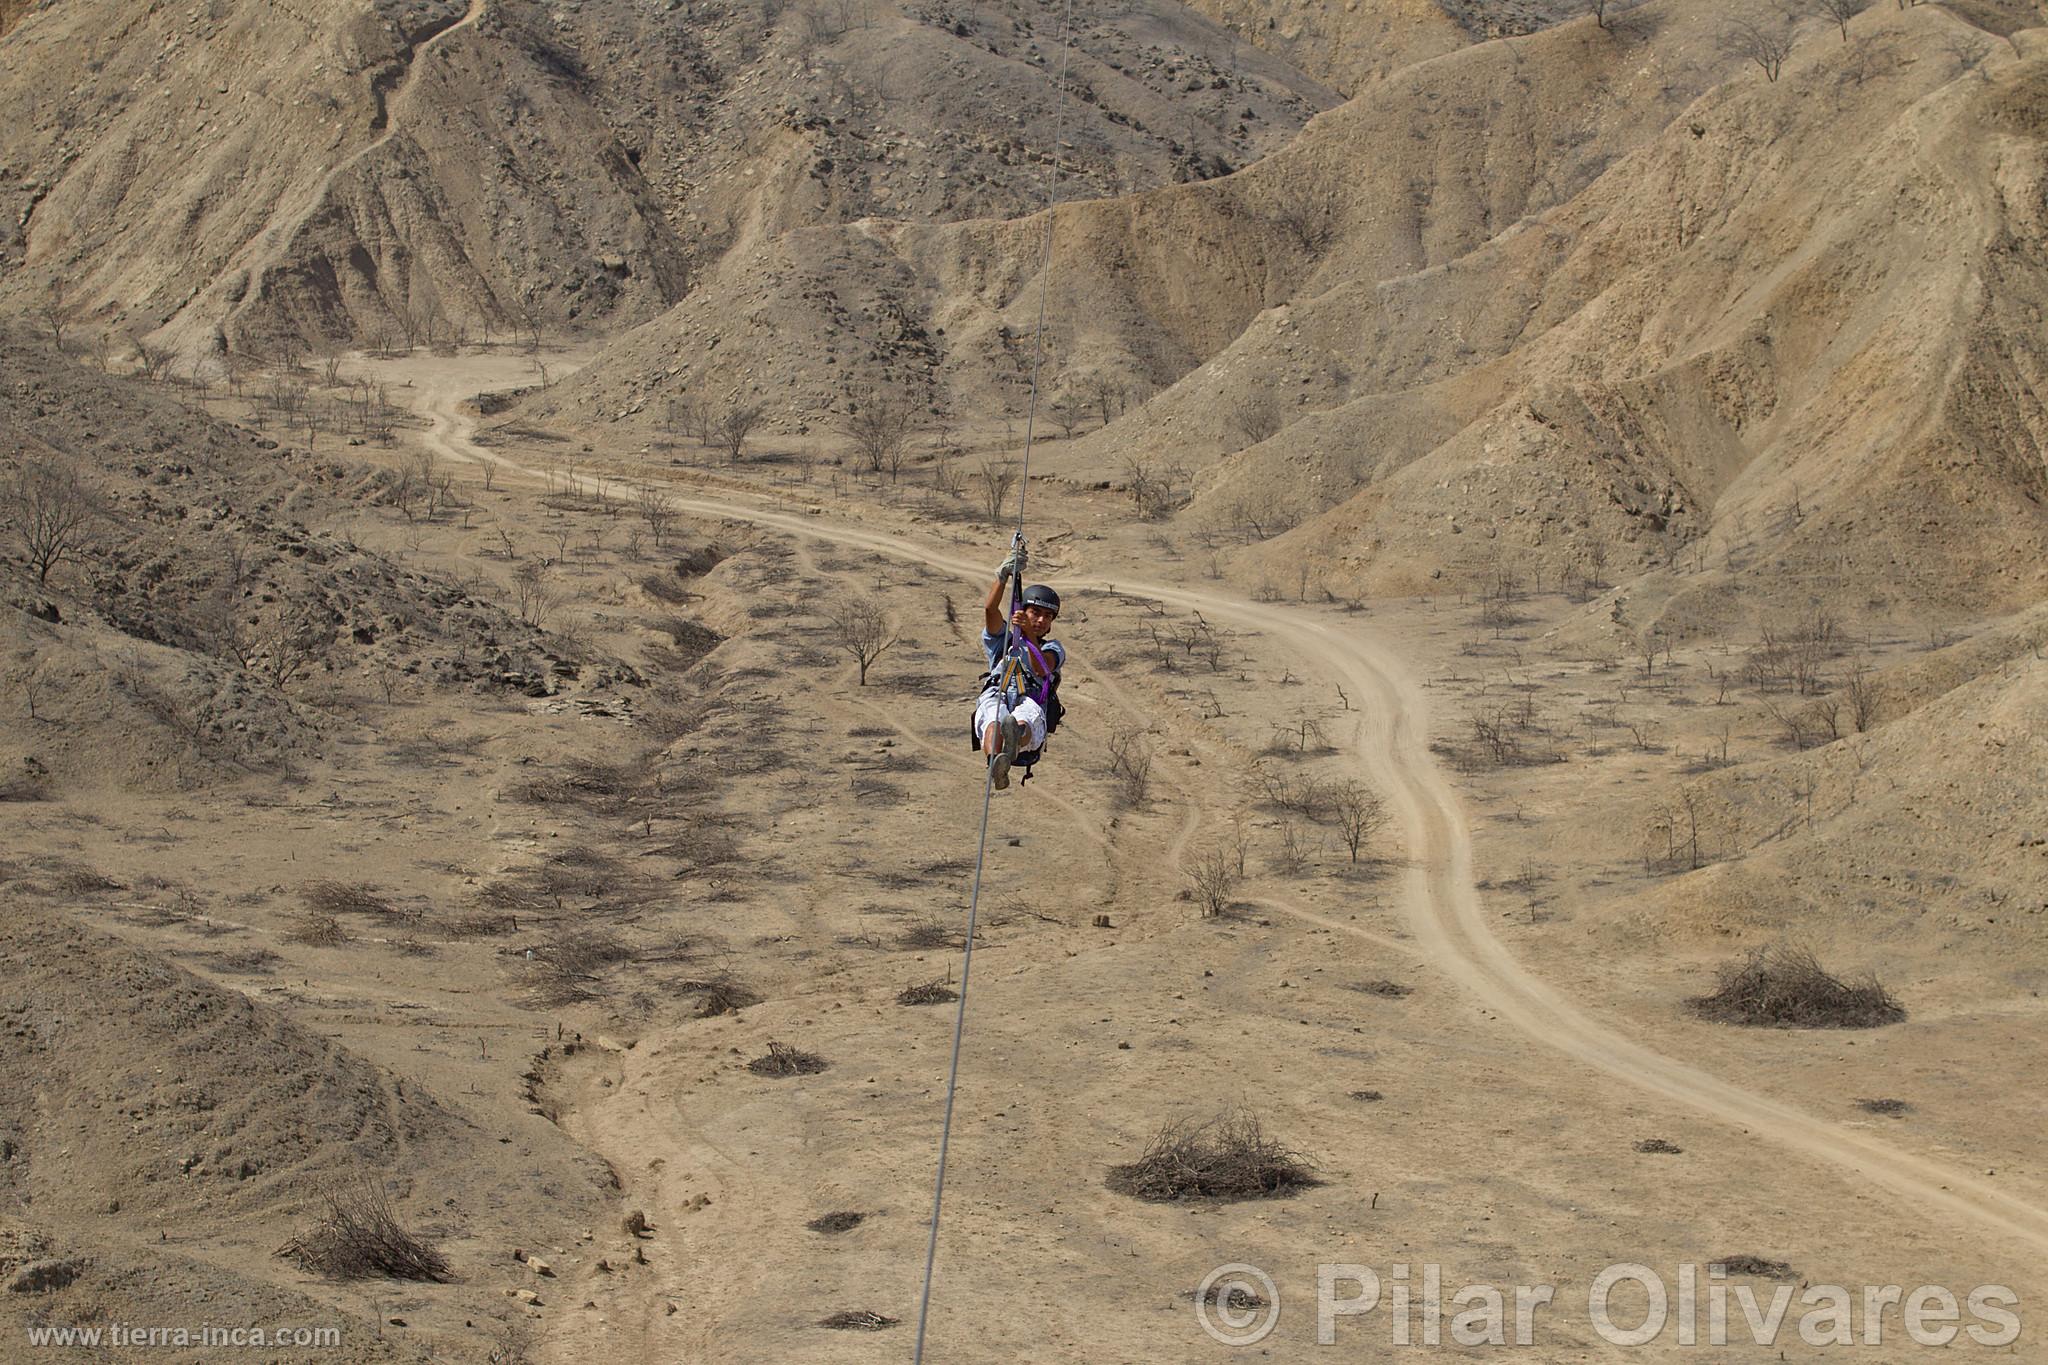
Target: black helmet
{"points": [[1039, 595]]}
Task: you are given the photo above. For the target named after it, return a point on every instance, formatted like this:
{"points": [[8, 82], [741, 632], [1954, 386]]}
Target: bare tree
{"points": [[879, 426], [1130, 763], [658, 510], [734, 424], [686, 419], [818, 25], [1603, 10], [1108, 397], [1360, 813], [865, 631], [1070, 409], [49, 510], [997, 479], [1213, 877], [153, 360], [55, 311], [1768, 45], [533, 596], [1861, 690], [1841, 11], [299, 635]]}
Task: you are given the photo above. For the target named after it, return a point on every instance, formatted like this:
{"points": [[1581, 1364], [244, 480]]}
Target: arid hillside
{"points": [[1415, 173], [358, 171], [1596, 300]]}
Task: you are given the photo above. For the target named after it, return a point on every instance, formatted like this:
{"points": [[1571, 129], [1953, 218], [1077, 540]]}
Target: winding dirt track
{"points": [[1440, 900]]}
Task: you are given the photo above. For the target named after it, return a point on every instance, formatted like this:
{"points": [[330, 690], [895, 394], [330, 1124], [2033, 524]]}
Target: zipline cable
{"points": [[931, 1247]]}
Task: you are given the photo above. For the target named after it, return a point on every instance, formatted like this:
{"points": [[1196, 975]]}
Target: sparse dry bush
{"points": [[1783, 987], [1255, 416], [360, 1237], [1229, 1156], [928, 934], [721, 995], [843, 1220], [345, 898], [1301, 794], [572, 959], [1761, 1266], [317, 930], [29, 786], [927, 993], [858, 1320], [1130, 763], [782, 1059], [587, 784], [482, 924], [702, 842], [83, 881]]}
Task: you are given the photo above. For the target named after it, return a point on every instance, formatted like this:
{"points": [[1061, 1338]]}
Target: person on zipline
{"points": [[1004, 731]]}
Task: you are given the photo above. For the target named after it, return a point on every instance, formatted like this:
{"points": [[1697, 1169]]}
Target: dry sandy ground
{"points": [[1485, 1121], [1510, 1089]]}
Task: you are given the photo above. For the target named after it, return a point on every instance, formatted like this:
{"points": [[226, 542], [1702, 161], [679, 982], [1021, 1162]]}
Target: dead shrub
{"points": [[781, 1059], [568, 963], [927, 993], [28, 787], [666, 589], [1760, 1266], [1888, 1108], [1130, 764], [1658, 1147], [317, 930], [1783, 987], [83, 881], [587, 784], [721, 995], [1212, 878], [857, 1320], [928, 933], [361, 1238], [482, 924], [1385, 989], [1225, 1157], [345, 898], [845, 1220]]}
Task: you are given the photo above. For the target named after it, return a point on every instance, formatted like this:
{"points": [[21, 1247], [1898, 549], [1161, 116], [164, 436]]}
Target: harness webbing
{"points": [[931, 1248]]}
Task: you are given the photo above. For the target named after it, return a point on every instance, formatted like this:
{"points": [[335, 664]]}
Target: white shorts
{"points": [[1030, 715]]}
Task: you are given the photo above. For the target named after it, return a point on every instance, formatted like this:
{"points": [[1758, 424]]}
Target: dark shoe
{"points": [[999, 771]]}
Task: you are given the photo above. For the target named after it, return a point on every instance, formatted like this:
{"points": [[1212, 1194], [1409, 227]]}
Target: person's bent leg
{"points": [[988, 710], [1031, 720]]}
